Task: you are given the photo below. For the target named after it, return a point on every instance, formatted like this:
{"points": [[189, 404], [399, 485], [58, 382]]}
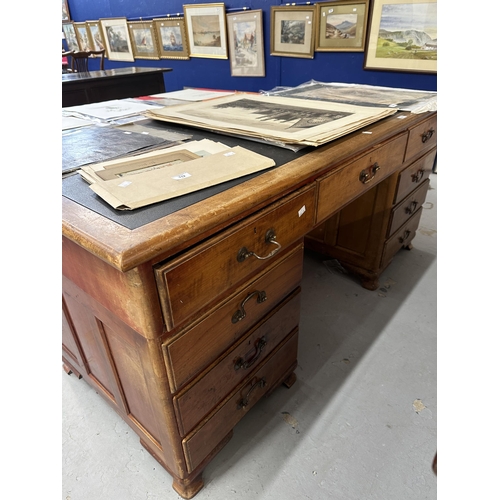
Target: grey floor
{"points": [[359, 423]]}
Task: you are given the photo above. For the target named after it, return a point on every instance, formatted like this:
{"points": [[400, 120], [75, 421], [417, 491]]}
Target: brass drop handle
{"points": [[367, 176], [270, 237], [241, 313], [411, 208], [417, 177], [258, 350], [405, 236], [243, 403], [427, 135]]}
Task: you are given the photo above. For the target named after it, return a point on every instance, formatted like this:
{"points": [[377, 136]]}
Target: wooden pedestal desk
{"points": [[184, 323]]}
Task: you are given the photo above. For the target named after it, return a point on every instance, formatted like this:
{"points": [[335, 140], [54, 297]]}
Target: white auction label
{"points": [[181, 176]]}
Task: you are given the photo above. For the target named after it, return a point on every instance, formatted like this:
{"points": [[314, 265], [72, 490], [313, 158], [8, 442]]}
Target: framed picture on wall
{"points": [[117, 39], [83, 36], [65, 11], [70, 35], [402, 36], [143, 37], [341, 26], [172, 39], [96, 36], [206, 30], [293, 31], [246, 43]]}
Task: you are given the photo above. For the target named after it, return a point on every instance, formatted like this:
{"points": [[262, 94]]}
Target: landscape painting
{"points": [[403, 36], [206, 30], [246, 47], [293, 31], [342, 26], [142, 35]]}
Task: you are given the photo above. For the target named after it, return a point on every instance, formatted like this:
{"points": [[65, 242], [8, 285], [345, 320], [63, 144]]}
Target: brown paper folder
{"points": [[137, 189]]}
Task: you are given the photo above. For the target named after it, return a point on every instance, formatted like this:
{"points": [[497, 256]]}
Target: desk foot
{"points": [[290, 380], [69, 370], [187, 488]]}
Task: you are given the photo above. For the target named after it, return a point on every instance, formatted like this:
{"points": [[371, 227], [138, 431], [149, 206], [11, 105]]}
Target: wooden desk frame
{"points": [[126, 328]]}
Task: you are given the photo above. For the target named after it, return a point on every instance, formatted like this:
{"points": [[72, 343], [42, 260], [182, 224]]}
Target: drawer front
{"points": [[402, 237], [422, 138], [192, 351], [197, 400], [402, 212], [339, 188], [205, 438], [414, 175], [198, 278]]}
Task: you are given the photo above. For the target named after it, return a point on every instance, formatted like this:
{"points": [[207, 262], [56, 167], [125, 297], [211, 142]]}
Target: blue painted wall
{"points": [[346, 67]]}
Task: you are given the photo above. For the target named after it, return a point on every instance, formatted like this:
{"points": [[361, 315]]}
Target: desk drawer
{"points": [[422, 138], [339, 188], [192, 351], [402, 237], [417, 173], [196, 279], [206, 437], [402, 212], [198, 399]]}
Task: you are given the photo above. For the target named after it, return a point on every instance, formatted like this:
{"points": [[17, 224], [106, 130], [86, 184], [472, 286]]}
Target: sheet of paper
{"points": [[69, 122], [194, 94], [109, 110]]}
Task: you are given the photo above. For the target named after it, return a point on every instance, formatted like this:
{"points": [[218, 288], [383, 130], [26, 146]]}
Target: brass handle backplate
{"points": [[241, 313], [405, 236], [259, 347], [411, 207], [270, 237], [243, 403], [427, 135], [417, 177], [368, 174]]}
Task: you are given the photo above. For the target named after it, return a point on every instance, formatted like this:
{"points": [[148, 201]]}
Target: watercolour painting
{"points": [[403, 36]]}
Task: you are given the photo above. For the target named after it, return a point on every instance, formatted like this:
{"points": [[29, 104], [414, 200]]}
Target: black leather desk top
{"points": [[76, 189]]}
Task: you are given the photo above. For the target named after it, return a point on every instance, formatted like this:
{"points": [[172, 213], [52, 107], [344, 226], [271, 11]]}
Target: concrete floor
{"points": [[359, 423]]}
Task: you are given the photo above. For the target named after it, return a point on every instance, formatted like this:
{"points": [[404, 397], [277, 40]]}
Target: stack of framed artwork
{"points": [[395, 35]]}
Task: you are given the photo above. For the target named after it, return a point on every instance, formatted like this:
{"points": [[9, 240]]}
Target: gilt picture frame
{"points": [[96, 36], [246, 43], [143, 39], [402, 36], [341, 26], [83, 36], [293, 31], [70, 36], [206, 30], [117, 39], [171, 37]]}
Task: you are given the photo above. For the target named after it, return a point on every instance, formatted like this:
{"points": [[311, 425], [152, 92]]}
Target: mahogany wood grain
{"points": [[206, 391], [203, 439], [201, 276], [188, 353]]}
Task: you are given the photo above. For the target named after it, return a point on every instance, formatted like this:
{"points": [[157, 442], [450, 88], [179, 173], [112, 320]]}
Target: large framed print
{"points": [[402, 36], [341, 26], [172, 39], [83, 36], [143, 38], [96, 36], [117, 39], [206, 30], [293, 31], [70, 35], [246, 43]]}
